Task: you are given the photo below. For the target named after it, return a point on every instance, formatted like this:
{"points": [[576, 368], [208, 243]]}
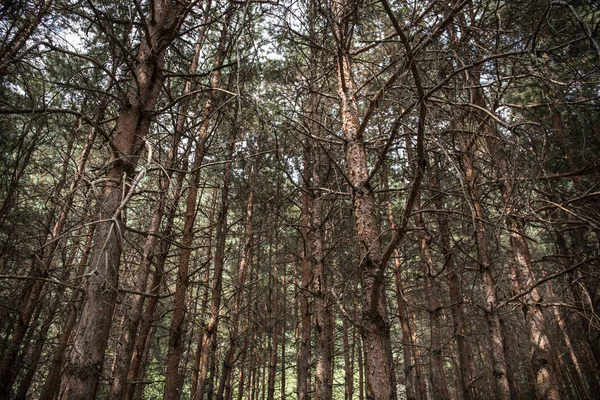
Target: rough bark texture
{"points": [[412, 376], [374, 324], [52, 383], [542, 362], [135, 311], [304, 297], [243, 269], [436, 364], [84, 368]]}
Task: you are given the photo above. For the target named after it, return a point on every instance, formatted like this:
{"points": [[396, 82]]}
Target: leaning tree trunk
{"points": [[52, 383], [83, 371], [135, 311]]}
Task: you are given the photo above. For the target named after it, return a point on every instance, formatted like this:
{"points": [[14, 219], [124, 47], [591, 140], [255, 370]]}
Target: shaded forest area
{"points": [[260, 199]]}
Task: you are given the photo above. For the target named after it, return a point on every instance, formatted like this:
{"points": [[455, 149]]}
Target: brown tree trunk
{"points": [[284, 316], [496, 338], [176, 342], [31, 297], [579, 376], [374, 324], [135, 371], [304, 297], [134, 313], [323, 321], [210, 336], [348, 360], [412, 377], [274, 312], [84, 368], [52, 383], [244, 268], [436, 365], [204, 300], [42, 335], [38, 348], [542, 361], [467, 369]]}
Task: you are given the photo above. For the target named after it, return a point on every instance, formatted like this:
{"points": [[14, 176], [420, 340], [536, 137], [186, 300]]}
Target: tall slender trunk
{"points": [[374, 324], [274, 328], [412, 376], [579, 376], [134, 313], [31, 297], [323, 321], [176, 342], [244, 268], [304, 297], [52, 383], [42, 335], [496, 338], [135, 369], [83, 371], [284, 316], [542, 360], [349, 351], [436, 365], [459, 322], [210, 336], [204, 300]]}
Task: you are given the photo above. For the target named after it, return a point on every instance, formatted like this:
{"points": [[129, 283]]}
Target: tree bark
{"points": [[83, 371], [374, 324], [496, 339], [244, 268], [467, 368], [176, 342], [52, 383], [42, 265], [209, 338]]}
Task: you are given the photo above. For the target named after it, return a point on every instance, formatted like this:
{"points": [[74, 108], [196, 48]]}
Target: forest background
{"points": [[222, 199]]}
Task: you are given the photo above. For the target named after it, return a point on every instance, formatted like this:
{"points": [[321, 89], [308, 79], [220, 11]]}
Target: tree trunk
{"points": [[244, 268], [134, 313], [31, 297], [209, 340], [348, 361], [436, 365], [496, 339], [459, 322], [204, 300], [176, 342], [374, 324], [304, 297], [52, 383], [83, 371], [542, 362]]}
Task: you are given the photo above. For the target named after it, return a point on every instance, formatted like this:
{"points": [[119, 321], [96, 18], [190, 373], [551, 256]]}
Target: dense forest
{"points": [[261, 199]]}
